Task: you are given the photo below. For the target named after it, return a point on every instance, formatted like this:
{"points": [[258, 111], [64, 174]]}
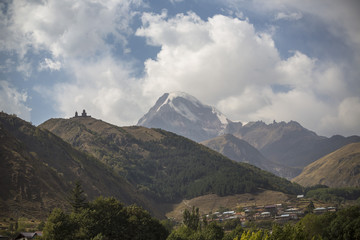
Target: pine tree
{"points": [[77, 198]]}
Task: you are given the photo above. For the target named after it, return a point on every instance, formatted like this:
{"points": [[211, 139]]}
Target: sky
{"points": [[253, 60]]}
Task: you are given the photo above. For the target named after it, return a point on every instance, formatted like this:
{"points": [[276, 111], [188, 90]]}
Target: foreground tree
{"points": [[104, 218], [192, 220], [59, 226]]}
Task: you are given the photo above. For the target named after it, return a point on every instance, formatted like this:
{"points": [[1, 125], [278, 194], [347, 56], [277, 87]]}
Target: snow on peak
{"points": [[174, 95], [183, 109]]}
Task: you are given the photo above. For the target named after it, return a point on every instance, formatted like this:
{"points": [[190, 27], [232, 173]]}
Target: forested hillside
{"points": [[38, 170], [164, 165]]}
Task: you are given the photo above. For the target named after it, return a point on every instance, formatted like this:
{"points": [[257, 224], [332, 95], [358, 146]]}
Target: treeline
{"points": [[107, 218], [326, 194], [103, 219]]}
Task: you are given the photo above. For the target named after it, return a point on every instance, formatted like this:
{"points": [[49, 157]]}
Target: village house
{"points": [[28, 235]]}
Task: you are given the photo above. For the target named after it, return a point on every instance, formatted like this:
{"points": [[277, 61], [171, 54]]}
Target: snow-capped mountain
{"points": [[185, 115]]}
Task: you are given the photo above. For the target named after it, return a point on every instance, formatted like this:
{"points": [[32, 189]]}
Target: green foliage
{"points": [[104, 218], [213, 231], [59, 226], [182, 233], [142, 226], [77, 198], [236, 233], [334, 194], [253, 235], [346, 224], [192, 220]]}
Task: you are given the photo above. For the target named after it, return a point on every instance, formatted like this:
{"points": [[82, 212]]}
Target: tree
{"points": [[192, 220], [59, 226], [106, 216], [310, 208], [213, 232], [142, 226], [77, 198]]}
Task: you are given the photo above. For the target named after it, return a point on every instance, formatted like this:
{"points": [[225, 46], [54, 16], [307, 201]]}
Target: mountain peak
{"points": [[184, 114]]}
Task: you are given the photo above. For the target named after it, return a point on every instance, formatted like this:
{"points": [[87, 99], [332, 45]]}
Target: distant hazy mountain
{"points": [[38, 170], [185, 115], [288, 144], [241, 151], [163, 165], [340, 168]]}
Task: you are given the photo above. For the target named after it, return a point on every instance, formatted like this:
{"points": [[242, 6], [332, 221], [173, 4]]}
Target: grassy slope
{"points": [[340, 168]]}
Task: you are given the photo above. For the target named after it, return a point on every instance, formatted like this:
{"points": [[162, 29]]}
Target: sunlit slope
{"points": [[340, 168]]}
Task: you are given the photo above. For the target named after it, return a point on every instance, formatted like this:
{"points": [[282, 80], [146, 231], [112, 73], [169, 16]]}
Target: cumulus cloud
{"points": [[79, 37], [13, 102], [225, 62], [215, 54], [68, 28], [103, 87]]}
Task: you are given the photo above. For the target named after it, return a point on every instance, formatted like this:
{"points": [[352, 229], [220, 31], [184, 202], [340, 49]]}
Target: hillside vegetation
{"points": [[38, 169], [340, 168], [164, 165]]}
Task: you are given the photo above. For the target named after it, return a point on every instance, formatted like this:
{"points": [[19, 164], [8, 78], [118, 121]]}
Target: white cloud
{"points": [[80, 37], [13, 102], [222, 55], [224, 61], [104, 88], [70, 28]]}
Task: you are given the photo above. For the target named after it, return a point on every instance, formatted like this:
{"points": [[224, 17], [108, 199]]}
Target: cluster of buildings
{"points": [[276, 212]]}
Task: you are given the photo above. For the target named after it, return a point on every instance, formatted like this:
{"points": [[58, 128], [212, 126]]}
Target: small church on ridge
{"points": [[83, 114]]}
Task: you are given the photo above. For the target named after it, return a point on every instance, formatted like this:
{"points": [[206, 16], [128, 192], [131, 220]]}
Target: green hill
{"points": [[161, 164], [38, 170]]}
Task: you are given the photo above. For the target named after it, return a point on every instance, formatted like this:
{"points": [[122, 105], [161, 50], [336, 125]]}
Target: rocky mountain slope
{"points": [[241, 151], [340, 168], [185, 115], [38, 170], [163, 165]]}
